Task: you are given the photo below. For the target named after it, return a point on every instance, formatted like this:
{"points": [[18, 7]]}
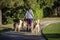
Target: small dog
{"points": [[37, 26]]}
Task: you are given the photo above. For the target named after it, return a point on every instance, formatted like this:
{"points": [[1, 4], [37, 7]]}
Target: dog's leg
{"points": [[15, 28], [28, 27], [35, 30], [18, 29], [14, 25], [39, 28], [32, 26]]}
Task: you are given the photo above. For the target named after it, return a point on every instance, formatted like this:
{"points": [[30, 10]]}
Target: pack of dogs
{"points": [[35, 26]]}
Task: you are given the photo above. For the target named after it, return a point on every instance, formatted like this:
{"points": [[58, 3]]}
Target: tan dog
{"points": [[15, 26], [37, 26], [24, 24], [32, 26], [21, 25]]}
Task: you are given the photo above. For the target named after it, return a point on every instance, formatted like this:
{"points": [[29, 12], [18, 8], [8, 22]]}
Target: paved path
{"points": [[20, 36], [9, 35], [46, 23]]}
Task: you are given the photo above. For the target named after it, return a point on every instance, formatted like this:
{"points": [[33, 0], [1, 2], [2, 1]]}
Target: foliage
{"points": [[38, 13], [47, 14], [17, 8], [36, 8], [12, 10]]}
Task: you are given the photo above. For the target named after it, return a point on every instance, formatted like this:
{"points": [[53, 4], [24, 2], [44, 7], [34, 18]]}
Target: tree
{"points": [[15, 9], [57, 7], [38, 6], [46, 6], [10, 9]]}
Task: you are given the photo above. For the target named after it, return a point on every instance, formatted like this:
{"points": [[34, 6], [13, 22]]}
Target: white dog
{"points": [[20, 25]]}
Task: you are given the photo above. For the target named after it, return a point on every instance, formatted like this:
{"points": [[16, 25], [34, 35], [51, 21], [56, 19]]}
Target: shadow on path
{"points": [[9, 35]]}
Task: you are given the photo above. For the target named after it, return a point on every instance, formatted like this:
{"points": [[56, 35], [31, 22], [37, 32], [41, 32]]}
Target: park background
{"points": [[16, 9], [46, 10]]}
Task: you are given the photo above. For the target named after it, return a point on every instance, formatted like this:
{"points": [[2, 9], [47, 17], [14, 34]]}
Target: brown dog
{"points": [[21, 25], [32, 26], [15, 26], [24, 24]]}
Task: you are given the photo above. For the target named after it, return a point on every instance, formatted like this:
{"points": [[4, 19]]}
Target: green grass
{"points": [[52, 31], [52, 28], [6, 27], [53, 38], [1, 29]]}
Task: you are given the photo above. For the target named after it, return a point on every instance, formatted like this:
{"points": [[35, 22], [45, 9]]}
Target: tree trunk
{"points": [[0, 17]]}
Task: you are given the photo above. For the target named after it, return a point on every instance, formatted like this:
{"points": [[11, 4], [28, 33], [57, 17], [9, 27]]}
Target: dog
{"points": [[24, 24], [15, 26], [20, 25], [36, 27], [32, 26]]}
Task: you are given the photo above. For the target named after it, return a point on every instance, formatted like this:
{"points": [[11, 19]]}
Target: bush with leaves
{"points": [[16, 8]]}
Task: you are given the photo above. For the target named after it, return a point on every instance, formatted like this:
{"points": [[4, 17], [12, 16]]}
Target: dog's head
{"points": [[20, 21], [37, 21]]}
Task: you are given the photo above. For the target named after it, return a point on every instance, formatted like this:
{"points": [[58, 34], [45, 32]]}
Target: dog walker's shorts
{"points": [[29, 21]]}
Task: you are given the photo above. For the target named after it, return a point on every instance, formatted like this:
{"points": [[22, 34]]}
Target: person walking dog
{"points": [[29, 16]]}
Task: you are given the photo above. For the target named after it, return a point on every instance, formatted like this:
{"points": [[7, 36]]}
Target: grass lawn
{"points": [[52, 31], [6, 27]]}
